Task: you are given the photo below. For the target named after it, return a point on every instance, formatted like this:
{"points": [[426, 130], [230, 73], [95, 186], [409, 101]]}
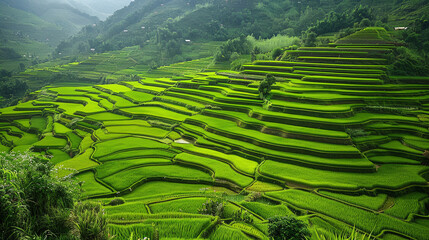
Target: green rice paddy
{"points": [[337, 145]]}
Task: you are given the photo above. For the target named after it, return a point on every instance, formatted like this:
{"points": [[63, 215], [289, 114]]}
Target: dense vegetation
{"points": [[314, 128]]}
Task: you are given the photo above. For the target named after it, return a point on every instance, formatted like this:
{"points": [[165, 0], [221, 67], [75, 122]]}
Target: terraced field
{"points": [[340, 145]]}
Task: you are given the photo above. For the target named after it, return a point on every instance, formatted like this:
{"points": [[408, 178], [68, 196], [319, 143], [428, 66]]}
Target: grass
{"points": [[168, 228], [160, 188], [261, 151], [51, 142], [284, 127], [137, 122], [245, 165], [259, 186], [221, 170], [112, 167], [86, 143], [134, 207], [365, 220], [58, 156], [141, 153], [226, 233], [113, 88], [106, 116], [78, 163], [186, 205], [26, 139], [125, 179], [116, 145], [297, 140], [230, 129], [267, 211], [138, 97], [370, 202], [385, 177], [406, 204], [278, 41], [90, 186], [138, 130], [154, 112]]}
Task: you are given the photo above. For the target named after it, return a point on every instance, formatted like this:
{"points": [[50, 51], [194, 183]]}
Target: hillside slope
{"points": [[148, 21], [100, 8], [34, 29], [339, 145]]}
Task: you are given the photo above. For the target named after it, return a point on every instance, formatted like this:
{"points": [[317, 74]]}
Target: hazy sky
{"points": [[100, 8]]}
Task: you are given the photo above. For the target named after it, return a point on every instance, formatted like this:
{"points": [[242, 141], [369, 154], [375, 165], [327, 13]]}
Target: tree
{"points": [[287, 227], [256, 50], [265, 86], [310, 39]]}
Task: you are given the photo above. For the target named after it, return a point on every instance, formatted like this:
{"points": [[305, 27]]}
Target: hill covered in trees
{"points": [[30, 30]]}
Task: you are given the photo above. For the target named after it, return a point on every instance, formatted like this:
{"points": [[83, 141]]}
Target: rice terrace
{"points": [[324, 134]]}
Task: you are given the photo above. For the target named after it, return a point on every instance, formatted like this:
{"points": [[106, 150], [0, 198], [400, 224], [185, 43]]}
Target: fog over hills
{"points": [[100, 8]]}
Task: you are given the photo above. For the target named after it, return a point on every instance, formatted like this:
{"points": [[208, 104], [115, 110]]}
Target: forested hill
{"points": [[35, 28], [170, 22], [69, 19]]}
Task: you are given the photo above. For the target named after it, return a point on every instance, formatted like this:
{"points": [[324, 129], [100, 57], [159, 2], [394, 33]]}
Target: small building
{"points": [[188, 41], [125, 31], [400, 28]]}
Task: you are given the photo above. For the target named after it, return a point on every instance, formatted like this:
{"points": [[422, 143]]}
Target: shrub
{"points": [[90, 222], [213, 207], [117, 201], [12, 205], [287, 227], [32, 199], [237, 65], [253, 196], [241, 216], [276, 53], [265, 86]]}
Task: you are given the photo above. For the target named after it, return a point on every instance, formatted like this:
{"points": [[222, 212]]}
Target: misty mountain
{"points": [[100, 8], [171, 22], [33, 28], [58, 12]]}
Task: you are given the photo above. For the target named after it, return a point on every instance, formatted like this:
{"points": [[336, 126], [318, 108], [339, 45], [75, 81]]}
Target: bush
{"points": [[32, 199], [253, 196], [237, 65], [241, 216], [237, 45], [265, 86], [276, 53], [90, 222], [287, 227], [213, 207], [117, 201]]}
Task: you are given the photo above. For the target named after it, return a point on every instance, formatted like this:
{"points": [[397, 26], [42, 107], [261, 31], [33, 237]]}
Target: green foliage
{"points": [[235, 46], [337, 20], [265, 86], [90, 222], [409, 62], [214, 207], [273, 43], [37, 201], [326, 235], [242, 216], [287, 227], [116, 202], [413, 59], [310, 39], [253, 196], [276, 53]]}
